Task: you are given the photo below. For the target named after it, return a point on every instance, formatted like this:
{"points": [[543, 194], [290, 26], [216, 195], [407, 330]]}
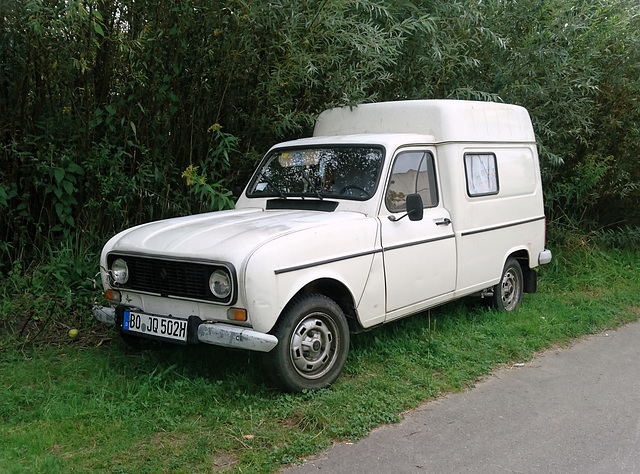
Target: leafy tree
{"points": [[106, 105]]}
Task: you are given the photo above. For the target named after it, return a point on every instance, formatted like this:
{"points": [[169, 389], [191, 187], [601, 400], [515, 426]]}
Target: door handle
{"points": [[445, 221]]}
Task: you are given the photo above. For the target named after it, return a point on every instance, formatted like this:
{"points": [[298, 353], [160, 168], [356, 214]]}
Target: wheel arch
{"points": [[335, 290], [529, 275]]}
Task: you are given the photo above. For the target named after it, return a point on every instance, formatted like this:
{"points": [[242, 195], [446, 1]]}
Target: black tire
{"points": [[507, 295], [313, 344]]}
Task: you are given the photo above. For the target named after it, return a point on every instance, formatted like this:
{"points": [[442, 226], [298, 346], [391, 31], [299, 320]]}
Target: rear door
{"points": [[419, 256]]}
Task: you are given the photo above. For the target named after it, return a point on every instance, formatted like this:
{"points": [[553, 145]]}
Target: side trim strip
{"points": [[489, 229], [356, 255], [420, 242], [324, 262]]}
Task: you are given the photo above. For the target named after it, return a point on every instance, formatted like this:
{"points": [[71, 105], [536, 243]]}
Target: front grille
{"points": [[170, 277]]}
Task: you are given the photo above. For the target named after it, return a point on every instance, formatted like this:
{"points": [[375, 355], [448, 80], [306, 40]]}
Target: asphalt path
{"points": [[568, 410]]}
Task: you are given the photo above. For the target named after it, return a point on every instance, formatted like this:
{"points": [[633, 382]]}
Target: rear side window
{"points": [[482, 174], [413, 172]]}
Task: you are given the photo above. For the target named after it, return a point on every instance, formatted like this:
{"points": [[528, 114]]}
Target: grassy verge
{"points": [[91, 404]]}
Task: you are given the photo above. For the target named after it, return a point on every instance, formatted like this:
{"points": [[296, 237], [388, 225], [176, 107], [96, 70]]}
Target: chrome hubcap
{"points": [[510, 289], [314, 346]]}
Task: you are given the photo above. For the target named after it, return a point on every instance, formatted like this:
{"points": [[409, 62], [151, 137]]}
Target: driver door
{"points": [[419, 256]]}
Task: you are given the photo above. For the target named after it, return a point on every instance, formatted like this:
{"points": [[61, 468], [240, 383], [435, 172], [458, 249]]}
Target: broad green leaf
{"points": [[98, 29], [58, 174]]}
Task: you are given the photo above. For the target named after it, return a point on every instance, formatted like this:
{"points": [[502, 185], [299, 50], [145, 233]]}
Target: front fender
{"points": [[278, 269]]}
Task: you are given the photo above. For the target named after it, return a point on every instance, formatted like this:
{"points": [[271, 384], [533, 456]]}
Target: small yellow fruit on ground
{"points": [[73, 333]]}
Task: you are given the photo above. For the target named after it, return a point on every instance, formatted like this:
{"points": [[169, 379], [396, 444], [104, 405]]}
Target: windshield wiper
{"points": [[275, 186], [313, 188]]}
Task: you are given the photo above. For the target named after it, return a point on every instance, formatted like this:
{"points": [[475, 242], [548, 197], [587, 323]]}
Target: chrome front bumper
{"points": [[233, 336], [217, 334]]}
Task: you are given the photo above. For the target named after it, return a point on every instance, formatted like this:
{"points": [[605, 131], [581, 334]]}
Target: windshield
{"points": [[349, 172]]}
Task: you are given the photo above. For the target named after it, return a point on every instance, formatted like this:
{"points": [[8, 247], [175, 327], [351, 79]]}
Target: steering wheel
{"points": [[349, 187]]}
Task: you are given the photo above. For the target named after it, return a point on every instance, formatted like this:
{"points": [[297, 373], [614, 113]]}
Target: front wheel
{"points": [[313, 343], [507, 294]]}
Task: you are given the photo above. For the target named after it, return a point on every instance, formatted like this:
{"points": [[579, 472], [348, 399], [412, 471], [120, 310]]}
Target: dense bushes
{"points": [[118, 112]]}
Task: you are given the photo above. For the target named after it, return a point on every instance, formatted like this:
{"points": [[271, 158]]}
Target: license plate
{"points": [[167, 328]]}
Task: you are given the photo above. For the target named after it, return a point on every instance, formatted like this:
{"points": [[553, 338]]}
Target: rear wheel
{"points": [[313, 343], [507, 295]]}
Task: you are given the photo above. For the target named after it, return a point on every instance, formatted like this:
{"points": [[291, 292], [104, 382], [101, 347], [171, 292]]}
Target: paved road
{"points": [[571, 410]]}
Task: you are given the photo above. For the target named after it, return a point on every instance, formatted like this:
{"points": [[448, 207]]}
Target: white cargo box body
{"points": [[445, 120], [388, 210]]}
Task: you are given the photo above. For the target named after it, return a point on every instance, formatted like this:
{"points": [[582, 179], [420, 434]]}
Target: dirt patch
{"points": [[223, 462]]}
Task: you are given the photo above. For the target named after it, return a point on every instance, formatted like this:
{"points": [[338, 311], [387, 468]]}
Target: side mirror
{"points": [[237, 191], [415, 207]]}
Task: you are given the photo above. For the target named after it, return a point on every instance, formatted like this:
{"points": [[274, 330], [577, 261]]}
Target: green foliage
{"points": [[593, 181], [625, 237], [39, 301], [214, 197]]}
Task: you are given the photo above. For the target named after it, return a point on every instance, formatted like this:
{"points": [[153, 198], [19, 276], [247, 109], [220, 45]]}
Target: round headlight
{"points": [[119, 271], [220, 284]]}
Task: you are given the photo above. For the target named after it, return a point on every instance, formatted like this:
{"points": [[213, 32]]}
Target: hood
{"points": [[223, 236]]}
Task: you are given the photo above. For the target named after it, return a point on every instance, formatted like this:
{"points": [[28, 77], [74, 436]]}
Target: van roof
{"points": [[445, 120], [387, 140]]}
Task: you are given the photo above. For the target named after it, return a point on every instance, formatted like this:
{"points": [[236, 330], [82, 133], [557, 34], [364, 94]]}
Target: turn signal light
{"points": [[237, 314], [113, 296]]}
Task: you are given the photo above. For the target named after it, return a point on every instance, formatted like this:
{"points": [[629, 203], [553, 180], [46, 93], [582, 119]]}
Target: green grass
{"points": [[92, 405]]}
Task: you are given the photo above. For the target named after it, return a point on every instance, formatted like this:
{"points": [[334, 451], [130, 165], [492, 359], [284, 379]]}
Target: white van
{"points": [[388, 210]]}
